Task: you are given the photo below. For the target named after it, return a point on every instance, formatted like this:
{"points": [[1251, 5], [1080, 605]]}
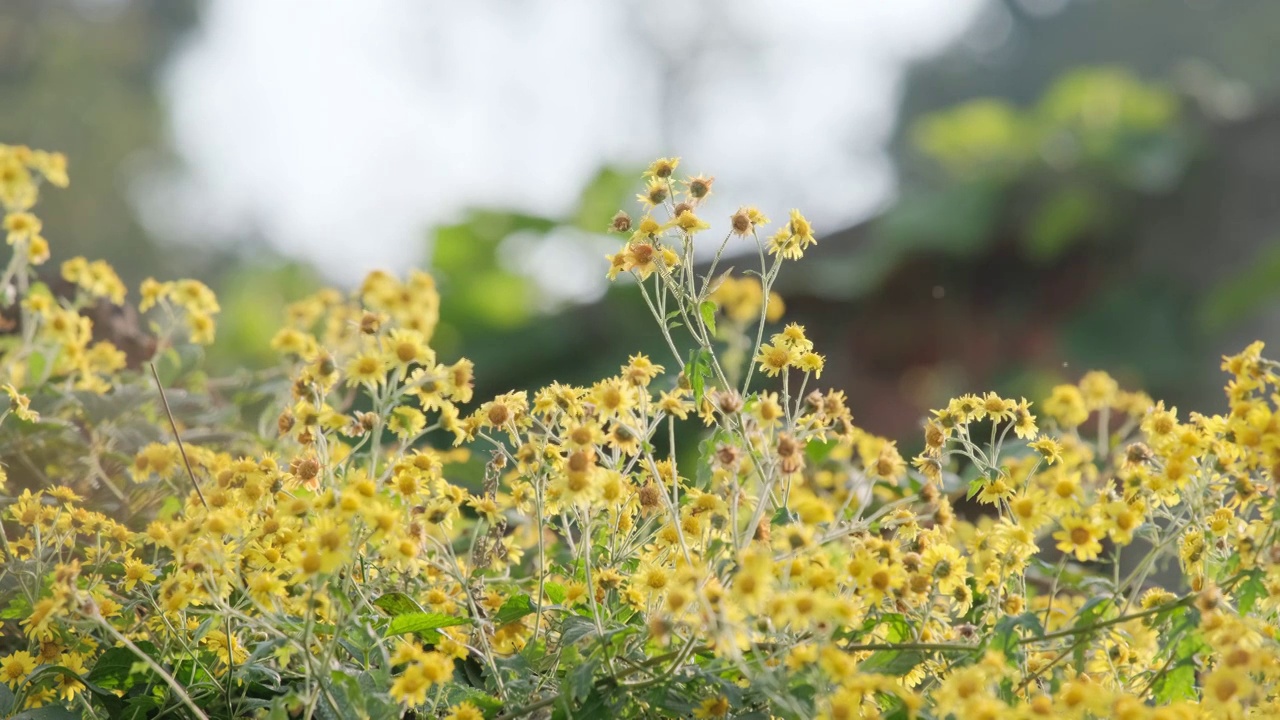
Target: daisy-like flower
{"points": [[1080, 536], [775, 358]]}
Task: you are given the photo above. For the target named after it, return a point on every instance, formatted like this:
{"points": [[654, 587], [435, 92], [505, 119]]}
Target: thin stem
{"points": [[177, 436]]}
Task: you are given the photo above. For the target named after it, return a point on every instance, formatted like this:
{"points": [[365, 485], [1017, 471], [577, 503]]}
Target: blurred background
{"points": [[1007, 193]]}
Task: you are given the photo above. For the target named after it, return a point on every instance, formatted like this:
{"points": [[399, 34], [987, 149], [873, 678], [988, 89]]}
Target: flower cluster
{"points": [[699, 534]]}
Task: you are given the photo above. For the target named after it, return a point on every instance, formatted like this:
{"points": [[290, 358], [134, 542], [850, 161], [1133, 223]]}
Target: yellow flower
{"points": [[946, 565], [775, 358], [662, 168], [406, 422], [675, 403], [152, 292], [1028, 508], [20, 405], [16, 667], [713, 707], [1067, 406], [408, 347], [746, 220], [1226, 686], [1160, 424], [801, 230], [1079, 536], [410, 688], [201, 326], [689, 223], [21, 226], [1024, 423], [997, 408], [655, 193], [1122, 519], [367, 368], [786, 244], [226, 648], [1049, 449], [136, 571], [464, 711], [67, 684], [640, 370], [698, 187], [1099, 390]]}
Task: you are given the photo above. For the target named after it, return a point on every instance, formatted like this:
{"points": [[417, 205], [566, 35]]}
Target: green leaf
{"points": [[975, 487], [513, 609], [42, 671], [1251, 589], [422, 622], [555, 592], [817, 451], [579, 681], [114, 669], [1062, 219], [1005, 639], [1176, 684], [1088, 615], [18, 608], [574, 629], [609, 190], [698, 371], [140, 707], [36, 366], [892, 662], [48, 712], [1239, 297], [707, 310], [1179, 681], [397, 603], [456, 693]]}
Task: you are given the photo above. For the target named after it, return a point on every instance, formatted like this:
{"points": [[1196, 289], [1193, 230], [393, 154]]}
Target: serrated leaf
{"points": [[455, 693], [1176, 684], [140, 707], [1005, 638], [575, 628], [1251, 589], [513, 609], [114, 669], [698, 370], [818, 451], [1088, 614], [579, 681], [899, 630], [707, 310], [891, 662], [975, 487], [18, 608], [555, 592], [719, 280], [422, 622], [397, 603]]}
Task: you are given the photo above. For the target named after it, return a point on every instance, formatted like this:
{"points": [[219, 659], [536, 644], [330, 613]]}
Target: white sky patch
{"points": [[339, 132]]}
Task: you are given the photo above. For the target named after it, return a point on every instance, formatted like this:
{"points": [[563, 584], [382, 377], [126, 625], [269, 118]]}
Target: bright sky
{"points": [[341, 131]]}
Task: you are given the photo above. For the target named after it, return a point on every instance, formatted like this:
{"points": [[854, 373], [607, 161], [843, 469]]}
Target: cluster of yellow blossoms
{"points": [[382, 543]]}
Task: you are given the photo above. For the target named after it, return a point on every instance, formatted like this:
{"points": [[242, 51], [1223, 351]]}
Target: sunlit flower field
{"points": [[354, 535]]}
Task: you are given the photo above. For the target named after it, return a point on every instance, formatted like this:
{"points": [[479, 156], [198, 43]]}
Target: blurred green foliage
{"points": [[82, 77]]}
